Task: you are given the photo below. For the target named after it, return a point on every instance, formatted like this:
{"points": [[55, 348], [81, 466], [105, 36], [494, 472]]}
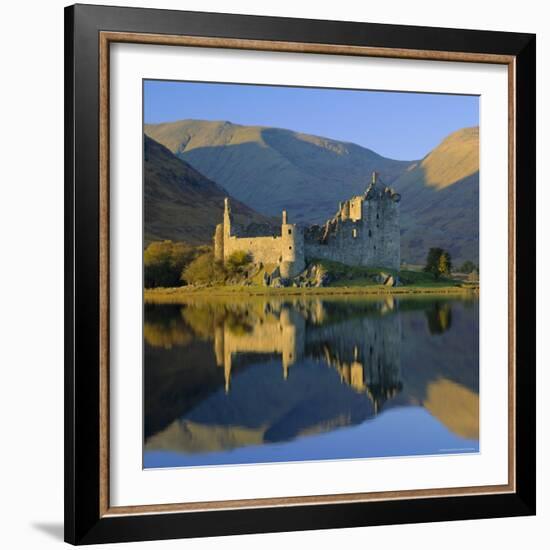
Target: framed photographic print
{"points": [[299, 274]]}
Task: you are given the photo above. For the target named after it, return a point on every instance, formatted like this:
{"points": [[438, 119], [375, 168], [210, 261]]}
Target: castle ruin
{"points": [[364, 232]]}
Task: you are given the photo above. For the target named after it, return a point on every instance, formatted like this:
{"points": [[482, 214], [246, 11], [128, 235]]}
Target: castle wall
{"points": [[355, 208], [382, 219], [262, 249], [286, 251], [373, 240]]}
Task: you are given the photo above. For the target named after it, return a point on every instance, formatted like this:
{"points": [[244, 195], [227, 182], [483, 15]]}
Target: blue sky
{"points": [[399, 125]]}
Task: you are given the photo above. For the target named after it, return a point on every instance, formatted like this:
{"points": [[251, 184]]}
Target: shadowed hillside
{"points": [[183, 205], [440, 205], [271, 169]]}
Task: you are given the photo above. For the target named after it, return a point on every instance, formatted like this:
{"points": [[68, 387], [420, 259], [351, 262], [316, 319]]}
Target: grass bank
{"points": [[174, 295], [344, 280]]}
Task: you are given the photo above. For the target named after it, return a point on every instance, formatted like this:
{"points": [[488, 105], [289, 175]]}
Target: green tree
{"points": [[164, 261], [467, 267], [203, 270], [445, 266], [432, 261], [438, 262]]}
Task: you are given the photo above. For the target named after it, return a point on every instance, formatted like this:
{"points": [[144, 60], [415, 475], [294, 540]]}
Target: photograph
{"points": [[299, 274], [276, 275], [311, 274]]}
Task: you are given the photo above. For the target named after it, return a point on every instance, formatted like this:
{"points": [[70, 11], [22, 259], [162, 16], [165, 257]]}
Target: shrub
{"points": [[164, 261], [237, 260], [203, 270]]}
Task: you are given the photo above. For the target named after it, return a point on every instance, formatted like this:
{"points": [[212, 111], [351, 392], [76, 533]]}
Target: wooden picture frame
{"points": [[89, 32]]}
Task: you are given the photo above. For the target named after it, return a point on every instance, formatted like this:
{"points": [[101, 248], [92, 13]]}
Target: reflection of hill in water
{"points": [[223, 374], [263, 407]]}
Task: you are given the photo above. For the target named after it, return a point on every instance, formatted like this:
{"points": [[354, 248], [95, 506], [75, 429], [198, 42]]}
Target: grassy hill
{"points": [[440, 205], [183, 205], [271, 169]]}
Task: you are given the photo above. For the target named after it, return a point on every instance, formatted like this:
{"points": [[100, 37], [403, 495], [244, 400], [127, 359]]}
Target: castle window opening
{"points": [[290, 231], [370, 233], [290, 248]]}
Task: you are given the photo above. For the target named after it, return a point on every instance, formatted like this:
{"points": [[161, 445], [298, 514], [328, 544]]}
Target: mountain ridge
{"points": [[293, 167]]}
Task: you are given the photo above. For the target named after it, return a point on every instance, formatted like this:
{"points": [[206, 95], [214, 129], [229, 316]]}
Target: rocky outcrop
{"points": [[314, 276]]}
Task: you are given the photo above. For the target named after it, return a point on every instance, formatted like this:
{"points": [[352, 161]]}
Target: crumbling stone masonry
{"points": [[364, 232]]}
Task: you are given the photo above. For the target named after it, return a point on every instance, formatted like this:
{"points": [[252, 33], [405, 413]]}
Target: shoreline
{"points": [[171, 295]]}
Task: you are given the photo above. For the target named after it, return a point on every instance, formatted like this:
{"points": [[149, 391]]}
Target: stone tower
{"points": [[223, 231], [364, 232], [292, 249]]}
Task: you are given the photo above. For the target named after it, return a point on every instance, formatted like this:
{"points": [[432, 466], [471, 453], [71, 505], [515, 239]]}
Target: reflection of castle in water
{"points": [[364, 350], [281, 334]]}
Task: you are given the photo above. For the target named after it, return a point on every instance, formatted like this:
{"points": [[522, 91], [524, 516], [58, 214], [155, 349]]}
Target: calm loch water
{"points": [[250, 380]]}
